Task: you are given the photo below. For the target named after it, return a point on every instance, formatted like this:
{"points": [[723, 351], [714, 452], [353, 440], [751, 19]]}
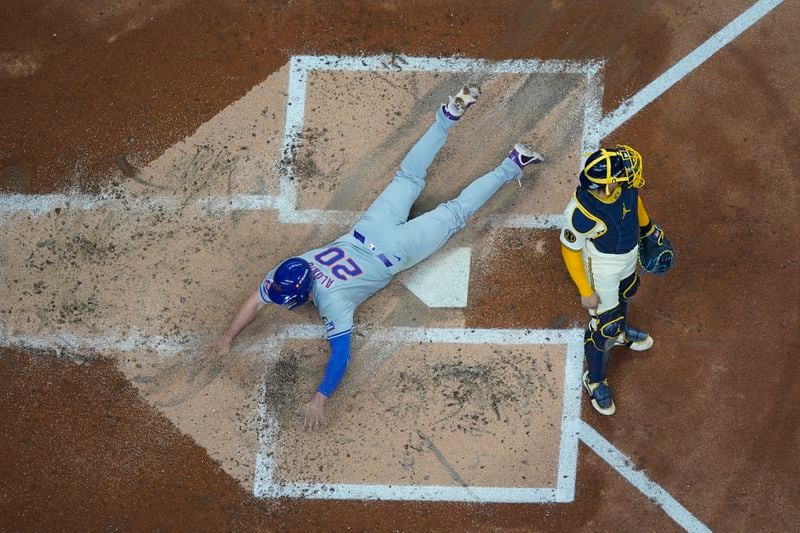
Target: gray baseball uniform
{"points": [[384, 242]]}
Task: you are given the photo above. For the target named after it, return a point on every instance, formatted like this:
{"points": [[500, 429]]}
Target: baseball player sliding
{"points": [[605, 228], [339, 276]]}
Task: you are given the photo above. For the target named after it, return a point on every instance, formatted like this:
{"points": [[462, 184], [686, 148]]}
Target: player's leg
{"points": [[598, 339], [419, 238], [633, 338], [394, 203], [606, 324]]}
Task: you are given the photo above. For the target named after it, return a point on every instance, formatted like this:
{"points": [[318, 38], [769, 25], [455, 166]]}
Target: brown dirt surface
{"points": [[97, 457], [91, 92]]}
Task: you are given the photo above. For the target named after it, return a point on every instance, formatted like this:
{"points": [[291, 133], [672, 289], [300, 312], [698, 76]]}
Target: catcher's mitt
{"points": [[655, 252]]}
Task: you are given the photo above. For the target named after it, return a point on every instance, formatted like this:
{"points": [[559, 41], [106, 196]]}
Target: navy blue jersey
{"points": [[612, 225]]}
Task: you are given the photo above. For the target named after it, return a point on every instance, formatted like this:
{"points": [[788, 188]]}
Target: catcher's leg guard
{"points": [[600, 337], [635, 339]]}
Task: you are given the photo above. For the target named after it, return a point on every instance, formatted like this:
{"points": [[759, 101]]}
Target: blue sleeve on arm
{"points": [[337, 364]]}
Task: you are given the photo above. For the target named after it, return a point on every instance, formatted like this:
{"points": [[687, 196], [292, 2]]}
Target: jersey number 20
{"points": [[335, 258]]}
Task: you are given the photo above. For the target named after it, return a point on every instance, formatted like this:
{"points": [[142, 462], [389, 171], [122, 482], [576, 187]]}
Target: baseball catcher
{"points": [[337, 277], [606, 228]]}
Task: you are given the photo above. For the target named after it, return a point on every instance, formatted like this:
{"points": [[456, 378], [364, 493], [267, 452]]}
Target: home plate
{"points": [[443, 279]]}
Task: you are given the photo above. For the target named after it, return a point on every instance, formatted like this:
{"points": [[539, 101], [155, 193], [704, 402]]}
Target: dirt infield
{"points": [[189, 99]]}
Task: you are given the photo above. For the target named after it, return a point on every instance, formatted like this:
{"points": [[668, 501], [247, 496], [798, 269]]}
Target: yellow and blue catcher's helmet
{"points": [[621, 164]]}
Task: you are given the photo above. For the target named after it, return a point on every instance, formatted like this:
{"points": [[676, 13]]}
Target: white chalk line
{"points": [[592, 115], [133, 340], [38, 205], [286, 201], [638, 479], [267, 433], [401, 63], [500, 336], [128, 341], [435, 493], [570, 419], [682, 68], [136, 341], [297, 92], [564, 491]]}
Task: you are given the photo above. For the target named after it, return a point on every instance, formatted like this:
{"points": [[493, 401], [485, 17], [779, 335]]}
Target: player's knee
{"points": [[408, 179], [605, 328], [456, 215], [612, 322], [628, 287]]}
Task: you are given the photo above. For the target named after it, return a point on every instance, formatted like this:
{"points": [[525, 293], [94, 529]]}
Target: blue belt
{"points": [[371, 246]]}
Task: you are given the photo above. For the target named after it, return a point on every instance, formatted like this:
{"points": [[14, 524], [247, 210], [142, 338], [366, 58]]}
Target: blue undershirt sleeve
{"points": [[337, 364]]}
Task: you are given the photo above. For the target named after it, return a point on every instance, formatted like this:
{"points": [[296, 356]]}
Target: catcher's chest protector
{"points": [[620, 218]]}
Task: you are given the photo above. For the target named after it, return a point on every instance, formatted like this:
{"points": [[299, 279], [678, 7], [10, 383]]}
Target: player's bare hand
{"points": [[314, 411], [590, 302]]}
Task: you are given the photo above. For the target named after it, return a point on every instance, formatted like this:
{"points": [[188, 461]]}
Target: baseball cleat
{"points": [[523, 156], [463, 100], [635, 339], [599, 396]]}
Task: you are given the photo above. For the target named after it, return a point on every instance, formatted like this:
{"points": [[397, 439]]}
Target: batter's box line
{"points": [[564, 491], [300, 66], [37, 205], [286, 201]]}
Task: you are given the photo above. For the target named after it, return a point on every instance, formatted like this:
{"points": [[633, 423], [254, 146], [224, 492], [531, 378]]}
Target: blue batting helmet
{"points": [[292, 284], [621, 164]]}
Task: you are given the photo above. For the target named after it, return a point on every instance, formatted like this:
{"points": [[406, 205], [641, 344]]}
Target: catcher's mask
{"points": [[621, 164], [292, 284]]}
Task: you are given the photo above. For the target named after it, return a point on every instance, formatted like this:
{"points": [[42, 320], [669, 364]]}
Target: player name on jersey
{"points": [[321, 277]]}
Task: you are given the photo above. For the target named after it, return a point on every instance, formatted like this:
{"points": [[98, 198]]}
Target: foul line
{"points": [[677, 72], [638, 479]]}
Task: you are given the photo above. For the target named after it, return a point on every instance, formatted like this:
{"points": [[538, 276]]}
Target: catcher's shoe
{"points": [[599, 396], [463, 100], [635, 339], [523, 156]]}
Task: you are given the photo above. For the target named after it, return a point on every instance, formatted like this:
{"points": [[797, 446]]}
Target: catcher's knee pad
{"points": [[605, 327], [628, 287]]}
